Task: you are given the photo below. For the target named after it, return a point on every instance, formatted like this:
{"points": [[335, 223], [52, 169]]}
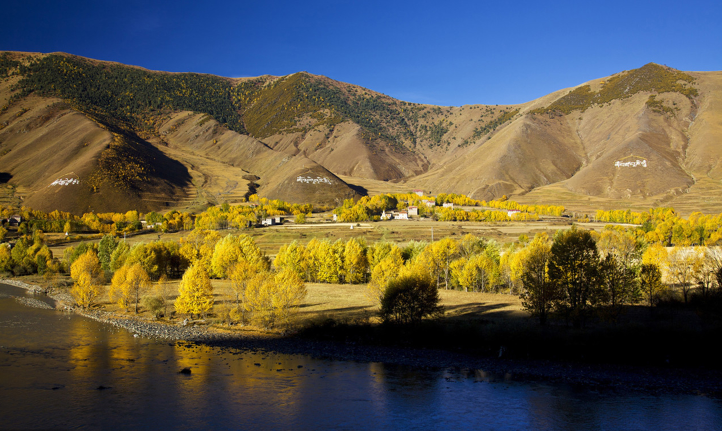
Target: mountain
{"points": [[133, 138]]}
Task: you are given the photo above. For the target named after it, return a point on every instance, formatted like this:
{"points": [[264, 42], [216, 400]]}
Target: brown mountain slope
{"points": [[674, 136], [136, 138], [281, 175], [63, 160]]}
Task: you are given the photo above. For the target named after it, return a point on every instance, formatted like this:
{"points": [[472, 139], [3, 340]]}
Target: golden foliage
{"points": [[195, 292]]}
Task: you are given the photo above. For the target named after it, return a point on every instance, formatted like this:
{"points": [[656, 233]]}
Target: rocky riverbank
{"points": [[644, 379]]}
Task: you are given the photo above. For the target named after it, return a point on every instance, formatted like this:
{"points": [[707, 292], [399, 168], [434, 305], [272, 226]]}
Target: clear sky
{"points": [[438, 52]]}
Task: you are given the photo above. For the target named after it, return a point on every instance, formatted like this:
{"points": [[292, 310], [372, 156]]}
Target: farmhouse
{"points": [[449, 205], [413, 211], [512, 213], [15, 220], [273, 221]]}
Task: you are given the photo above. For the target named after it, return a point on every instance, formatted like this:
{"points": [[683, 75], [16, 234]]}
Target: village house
{"points": [[512, 213], [449, 205], [273, 221], [429, 202], [419, 192], [15, 220], [413, 211]]}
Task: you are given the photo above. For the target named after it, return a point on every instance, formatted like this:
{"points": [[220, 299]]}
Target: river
{"points": [[60, 370]]}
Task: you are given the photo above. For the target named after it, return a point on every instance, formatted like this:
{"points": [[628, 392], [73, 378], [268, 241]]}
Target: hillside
{"points": [[648, 136]]}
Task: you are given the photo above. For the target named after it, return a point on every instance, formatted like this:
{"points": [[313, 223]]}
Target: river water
{"points": [[60, 370]]}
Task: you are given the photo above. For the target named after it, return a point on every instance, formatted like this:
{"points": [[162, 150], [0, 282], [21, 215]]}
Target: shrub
{"points": [[154, 304], [410, 298]]}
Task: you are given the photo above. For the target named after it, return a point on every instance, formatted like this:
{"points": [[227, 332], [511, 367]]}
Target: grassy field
{"points": [[704, 196], [270, 239]]}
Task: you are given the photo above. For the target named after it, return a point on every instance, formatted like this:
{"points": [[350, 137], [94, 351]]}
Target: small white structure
{"points": [[413, 211], [449, 205], [335, 217], [512, 213], [419, 192], [402, 215], [429, 202]]}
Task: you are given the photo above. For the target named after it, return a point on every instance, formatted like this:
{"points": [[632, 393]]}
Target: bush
{"points": [[410, 298], [154, 304]]}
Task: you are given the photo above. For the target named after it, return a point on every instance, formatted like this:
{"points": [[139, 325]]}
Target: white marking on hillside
{"points": [[633, 163], [69, 179], [65, 182], [309, 180]]}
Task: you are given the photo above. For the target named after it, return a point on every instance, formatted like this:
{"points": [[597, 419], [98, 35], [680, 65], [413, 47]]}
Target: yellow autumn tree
{"points": [[195, 293], [231, 249], [127, 285], [239, 274], [199, 245], [656, 254], [387, 269], [87, 275], [293, 256], [272, 299], [478, 274], [355, 261]]}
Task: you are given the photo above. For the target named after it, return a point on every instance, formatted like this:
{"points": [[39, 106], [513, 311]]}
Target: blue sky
{"points": [[444, 53]]}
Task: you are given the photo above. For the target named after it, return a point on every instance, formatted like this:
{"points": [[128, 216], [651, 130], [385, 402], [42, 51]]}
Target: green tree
{"points": [[106, 247], [574, 265], [540, 295], [617, 281]]}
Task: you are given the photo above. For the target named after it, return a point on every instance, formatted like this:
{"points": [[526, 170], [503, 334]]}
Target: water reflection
{"points": [[52, 364]]}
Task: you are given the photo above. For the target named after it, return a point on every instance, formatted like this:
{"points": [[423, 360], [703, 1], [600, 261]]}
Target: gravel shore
{"points": [[629, 378]]}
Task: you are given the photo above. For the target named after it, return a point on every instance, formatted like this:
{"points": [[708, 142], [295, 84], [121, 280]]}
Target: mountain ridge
{"points": [[572, 138]]}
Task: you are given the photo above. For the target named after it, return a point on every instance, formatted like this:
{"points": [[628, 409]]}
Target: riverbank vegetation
{"points": [[583, 288]]}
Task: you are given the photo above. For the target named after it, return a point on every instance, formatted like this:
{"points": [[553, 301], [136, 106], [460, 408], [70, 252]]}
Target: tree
{"points": [[128, 283], [681, 268], [409, 298], [444, 252], [87, 274], [239, 274], [293, 257], [163, 290], [656, 254], [233, 248], [704, 268], [573, 265], [106, 247], [84, 291], [271, 299], [479, 272], [650, 279], [540, 294], [355, 261], [387, 269], [617, 280], [195, 292]]}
